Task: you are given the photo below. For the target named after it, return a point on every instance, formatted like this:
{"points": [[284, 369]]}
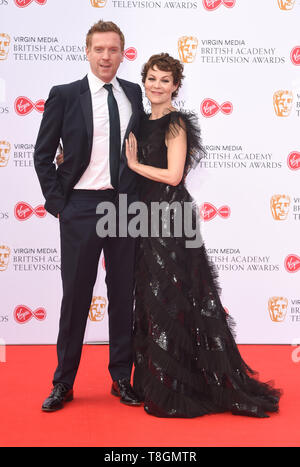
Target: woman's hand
{"points": [[131, 151], [172, 175], [59, 158]]}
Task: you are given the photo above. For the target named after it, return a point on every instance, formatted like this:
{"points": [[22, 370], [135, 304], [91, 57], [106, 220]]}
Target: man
{"points": [[92, 117]]}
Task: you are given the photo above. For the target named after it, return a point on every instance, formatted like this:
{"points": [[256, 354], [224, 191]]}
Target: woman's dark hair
{"points": [[165, 62]]}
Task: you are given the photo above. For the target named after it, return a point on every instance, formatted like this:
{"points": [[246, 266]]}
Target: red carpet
{"points": [[95, 418]]}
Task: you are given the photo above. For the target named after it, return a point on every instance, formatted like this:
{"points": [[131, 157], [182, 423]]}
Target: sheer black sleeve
{"points": [[195, 149]]}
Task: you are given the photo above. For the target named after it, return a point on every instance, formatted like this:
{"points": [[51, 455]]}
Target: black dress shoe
{"points": [[58, 396], [122, 389]]}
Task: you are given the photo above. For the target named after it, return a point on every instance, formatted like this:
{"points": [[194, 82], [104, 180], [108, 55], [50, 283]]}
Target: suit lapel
{"points": [[87, 108]]}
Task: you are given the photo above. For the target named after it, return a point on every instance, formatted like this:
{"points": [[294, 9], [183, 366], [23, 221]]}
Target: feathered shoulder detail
{"points": [[190, 123]]}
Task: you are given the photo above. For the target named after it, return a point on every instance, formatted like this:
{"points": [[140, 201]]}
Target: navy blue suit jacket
{"points": [[68, 116]]}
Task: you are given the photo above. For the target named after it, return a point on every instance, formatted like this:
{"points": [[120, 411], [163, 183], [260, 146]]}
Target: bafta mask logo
{"points": [[4, 257], [280, 205], [4, 153], [4, 46], [187, 48], [98, 3], [286, 4], [277, 307], [97, 309], [282, 101]]}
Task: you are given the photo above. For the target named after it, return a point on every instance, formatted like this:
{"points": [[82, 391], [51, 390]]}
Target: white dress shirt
{"points": [[97, 174]]}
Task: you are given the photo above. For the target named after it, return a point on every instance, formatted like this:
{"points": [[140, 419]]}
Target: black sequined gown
{"points": [[187, 363]]}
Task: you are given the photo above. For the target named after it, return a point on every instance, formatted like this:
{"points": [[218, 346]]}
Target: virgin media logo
{"points": [[130, 54], [211, 5], [23, 106], [209, 108], [24, 211], [295, 55], [292, 263], [208, 211], [293, 160], [23, 314], [25, 3]]}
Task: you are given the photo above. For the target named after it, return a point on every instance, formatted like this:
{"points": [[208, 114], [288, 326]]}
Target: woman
{"points": [[187, 363]]}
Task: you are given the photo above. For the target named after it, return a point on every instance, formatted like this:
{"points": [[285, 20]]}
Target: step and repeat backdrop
{"points": [[242, 77]]}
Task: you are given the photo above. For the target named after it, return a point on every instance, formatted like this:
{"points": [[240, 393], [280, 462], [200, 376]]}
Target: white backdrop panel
{"points": [[244, 52]]}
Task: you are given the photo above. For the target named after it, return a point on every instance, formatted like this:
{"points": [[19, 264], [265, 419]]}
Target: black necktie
{"points": [[114, 136]]}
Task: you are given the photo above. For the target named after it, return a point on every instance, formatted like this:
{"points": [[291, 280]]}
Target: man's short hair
{"points": [[104, 26]]}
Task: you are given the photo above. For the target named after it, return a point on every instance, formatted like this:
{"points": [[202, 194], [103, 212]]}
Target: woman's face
{"points": [[159, 86]]}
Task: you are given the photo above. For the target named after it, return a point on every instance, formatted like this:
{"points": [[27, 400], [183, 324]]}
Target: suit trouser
{"points": [[81, 248]]}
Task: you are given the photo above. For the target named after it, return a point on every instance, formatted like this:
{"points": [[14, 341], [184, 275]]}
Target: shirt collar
{"points": [[96, 83]]}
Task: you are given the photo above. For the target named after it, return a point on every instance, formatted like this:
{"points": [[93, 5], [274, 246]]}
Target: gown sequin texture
{"points": [[187, 363]]}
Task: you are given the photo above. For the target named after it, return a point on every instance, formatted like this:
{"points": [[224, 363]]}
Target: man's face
{"points": [[105, 55]]}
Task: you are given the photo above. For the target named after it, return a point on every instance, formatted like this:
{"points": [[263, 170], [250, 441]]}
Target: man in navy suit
{"points": [[92, 117]]}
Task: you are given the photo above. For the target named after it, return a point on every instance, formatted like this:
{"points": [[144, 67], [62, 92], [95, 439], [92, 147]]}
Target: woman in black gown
{"points": [[187, 363]]}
